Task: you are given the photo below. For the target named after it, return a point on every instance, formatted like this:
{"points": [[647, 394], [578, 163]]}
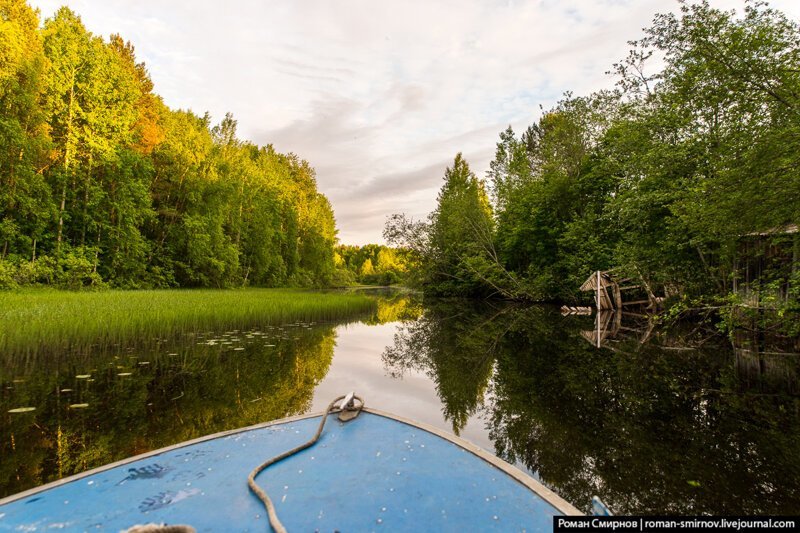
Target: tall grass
{"points": [[38, 320]]}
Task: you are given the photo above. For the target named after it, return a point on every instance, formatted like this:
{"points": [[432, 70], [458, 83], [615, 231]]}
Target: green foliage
{"points": [[663, 179], [76, 270], [453, 250], [100, 177], [460, 229], [7, 278], [550, 225], [710, 143], [371, 264]]}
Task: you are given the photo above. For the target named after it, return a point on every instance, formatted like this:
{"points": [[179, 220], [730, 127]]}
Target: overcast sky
{"points": [[378, 96]]}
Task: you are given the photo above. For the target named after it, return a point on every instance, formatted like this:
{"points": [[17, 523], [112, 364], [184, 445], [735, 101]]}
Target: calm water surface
{"points": [[647, 421]]}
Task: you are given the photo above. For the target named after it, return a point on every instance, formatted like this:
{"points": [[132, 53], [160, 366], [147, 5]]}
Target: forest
{"points": [[682, 176], [684, 173], [102, 184], [371, 264]]}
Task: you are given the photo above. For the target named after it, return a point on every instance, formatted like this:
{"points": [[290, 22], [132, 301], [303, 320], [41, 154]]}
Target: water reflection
{"points": [[455, 345], [650, 422], [651, 427], [132, 401], [394, 306]]}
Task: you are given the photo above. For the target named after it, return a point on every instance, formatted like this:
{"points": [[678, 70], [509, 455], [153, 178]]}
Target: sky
{"points": [[378, 96]]}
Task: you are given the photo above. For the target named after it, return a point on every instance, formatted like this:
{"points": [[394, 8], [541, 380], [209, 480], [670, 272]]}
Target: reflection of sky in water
{"points": [[357, 366]]}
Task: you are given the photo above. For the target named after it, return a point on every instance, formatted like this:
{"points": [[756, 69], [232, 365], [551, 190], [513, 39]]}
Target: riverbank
{"points": [[33, 320]]}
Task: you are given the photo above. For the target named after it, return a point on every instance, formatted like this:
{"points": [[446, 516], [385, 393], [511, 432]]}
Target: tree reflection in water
{"points": [[651, 428], [151, 397], [451, 344]]}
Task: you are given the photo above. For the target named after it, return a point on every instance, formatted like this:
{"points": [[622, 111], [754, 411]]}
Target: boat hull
{"points": [[375, 473]]}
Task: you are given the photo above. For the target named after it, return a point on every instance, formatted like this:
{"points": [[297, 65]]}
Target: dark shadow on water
{"points": [[649, 427]]}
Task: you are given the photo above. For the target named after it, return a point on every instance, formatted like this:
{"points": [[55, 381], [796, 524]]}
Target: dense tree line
{"points": [[371, 264], [660, 178], [100, 182]]}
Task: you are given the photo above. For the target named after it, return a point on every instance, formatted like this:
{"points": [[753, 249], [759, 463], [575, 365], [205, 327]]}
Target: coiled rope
{"points": [[349, 409]]}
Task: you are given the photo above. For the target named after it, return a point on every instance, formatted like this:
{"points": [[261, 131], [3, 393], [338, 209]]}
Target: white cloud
{"points": [[378, 96]]}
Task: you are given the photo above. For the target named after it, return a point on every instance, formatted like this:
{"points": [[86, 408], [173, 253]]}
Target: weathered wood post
{"points": [[597, 292], [597, 327]]}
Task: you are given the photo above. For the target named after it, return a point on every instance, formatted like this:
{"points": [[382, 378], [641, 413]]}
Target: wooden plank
{"points": [[604, 301], [637, 302], [637, 315], [617, 297]]}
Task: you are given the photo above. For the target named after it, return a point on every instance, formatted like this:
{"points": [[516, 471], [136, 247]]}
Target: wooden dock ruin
{"points": [[609, 327], [609, 291], [611, 304]]}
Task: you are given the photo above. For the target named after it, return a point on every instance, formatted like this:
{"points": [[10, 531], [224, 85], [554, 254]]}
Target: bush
{"points": [[342, 277], [76, 271], [7, 277], [43, 271]]}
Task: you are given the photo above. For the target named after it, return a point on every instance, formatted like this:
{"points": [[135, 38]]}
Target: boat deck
{"points": [[375, 473]]}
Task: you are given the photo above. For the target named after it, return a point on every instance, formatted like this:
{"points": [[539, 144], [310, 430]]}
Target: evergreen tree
{"points": [[461, 232]]}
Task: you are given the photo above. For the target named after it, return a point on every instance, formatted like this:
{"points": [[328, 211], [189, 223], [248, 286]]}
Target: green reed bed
{"points": [[34, 320]]}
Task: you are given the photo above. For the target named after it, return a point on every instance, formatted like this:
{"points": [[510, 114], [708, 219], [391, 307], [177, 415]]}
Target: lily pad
{"points": [[22, 410], [125, 374], [83, 376], [79, 406]]}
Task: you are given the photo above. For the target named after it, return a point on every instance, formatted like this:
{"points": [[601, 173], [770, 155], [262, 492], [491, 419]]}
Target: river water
{"points": [[653, 423]]}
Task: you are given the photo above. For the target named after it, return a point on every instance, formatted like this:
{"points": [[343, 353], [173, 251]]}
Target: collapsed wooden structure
{"points": [[610, 304], [609, 290], [575, 310], [608, 326]]}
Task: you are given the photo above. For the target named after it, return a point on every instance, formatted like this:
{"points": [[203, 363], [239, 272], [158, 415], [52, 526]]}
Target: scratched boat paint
{"points": [[375, 473]]}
